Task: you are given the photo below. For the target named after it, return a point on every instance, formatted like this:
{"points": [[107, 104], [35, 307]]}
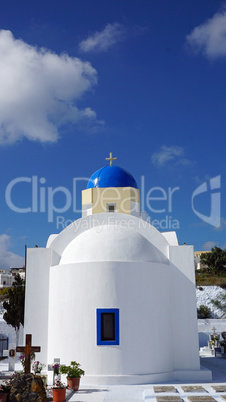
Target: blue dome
{"points": [[111, 176]]}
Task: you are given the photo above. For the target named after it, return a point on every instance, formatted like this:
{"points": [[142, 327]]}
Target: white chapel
{"points": [[113, 293]]}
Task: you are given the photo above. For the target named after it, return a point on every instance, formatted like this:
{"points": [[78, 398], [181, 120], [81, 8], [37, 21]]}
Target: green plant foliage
{"points": [[73, 370], [4, 291], [214, 261], [14, 307], [203, 311]]}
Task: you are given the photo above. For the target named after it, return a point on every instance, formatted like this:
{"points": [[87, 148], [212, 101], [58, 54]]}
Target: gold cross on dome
{"points": [[111, 159]]}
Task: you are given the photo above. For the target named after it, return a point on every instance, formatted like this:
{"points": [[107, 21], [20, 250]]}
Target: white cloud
{"points": [[168, 155], [209, 38], [103, 40], [8, 259], [208, 245], [38, 91]]}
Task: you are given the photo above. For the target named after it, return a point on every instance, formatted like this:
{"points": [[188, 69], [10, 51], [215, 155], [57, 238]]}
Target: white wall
{"points": [[157, 302], [37, 298], [155, 321], [184, 310], [132, 288]]}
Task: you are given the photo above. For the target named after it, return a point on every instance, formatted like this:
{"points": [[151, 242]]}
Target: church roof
{"points": [[120, 244], [111, 176]]}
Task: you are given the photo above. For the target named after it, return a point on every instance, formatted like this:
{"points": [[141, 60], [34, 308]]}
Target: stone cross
{"points": [[214, 333], [111, 159], [27, 349], [11, 355]]}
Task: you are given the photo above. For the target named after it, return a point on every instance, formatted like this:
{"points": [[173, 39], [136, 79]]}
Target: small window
{"points": [[107, 326], [111, 207]]}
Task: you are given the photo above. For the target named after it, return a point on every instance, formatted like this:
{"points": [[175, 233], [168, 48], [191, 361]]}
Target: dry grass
{"points": [[204, 278]]}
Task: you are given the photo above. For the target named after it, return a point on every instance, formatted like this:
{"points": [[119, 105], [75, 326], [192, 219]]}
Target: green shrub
{"points": [[203, 311], [72, 371]]}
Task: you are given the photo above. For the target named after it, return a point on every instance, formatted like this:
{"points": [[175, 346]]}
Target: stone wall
{"points": [[27, 388]]}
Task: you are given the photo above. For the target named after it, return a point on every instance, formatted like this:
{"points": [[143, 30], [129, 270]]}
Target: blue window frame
{"points": [[107, 326]]}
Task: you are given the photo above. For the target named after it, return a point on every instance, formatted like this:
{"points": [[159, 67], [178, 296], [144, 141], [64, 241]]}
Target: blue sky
{"points": [[142, 79]]}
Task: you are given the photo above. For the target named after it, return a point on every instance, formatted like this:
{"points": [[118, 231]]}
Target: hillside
{"points": [[205, 294]]}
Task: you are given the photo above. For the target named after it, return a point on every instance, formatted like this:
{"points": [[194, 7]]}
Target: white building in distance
{"points": [[7, 278], [113, 293], [197, 259]]}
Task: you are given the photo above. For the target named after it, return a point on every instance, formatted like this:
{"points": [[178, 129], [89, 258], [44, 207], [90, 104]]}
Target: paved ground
{"points": [[149, 393]]}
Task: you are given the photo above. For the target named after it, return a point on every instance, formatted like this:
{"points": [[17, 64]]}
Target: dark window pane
{"points": [[111, 208], [108, 326]]}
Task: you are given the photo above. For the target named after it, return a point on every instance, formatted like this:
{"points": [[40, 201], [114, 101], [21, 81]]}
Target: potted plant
{"points": [[56, 369], [37, 367], [59, 391], [5, 391], [73, 373]]}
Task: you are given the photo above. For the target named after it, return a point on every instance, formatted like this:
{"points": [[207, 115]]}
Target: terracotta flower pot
{"points": [[4, 397], [59, 394], [73, 383]]}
